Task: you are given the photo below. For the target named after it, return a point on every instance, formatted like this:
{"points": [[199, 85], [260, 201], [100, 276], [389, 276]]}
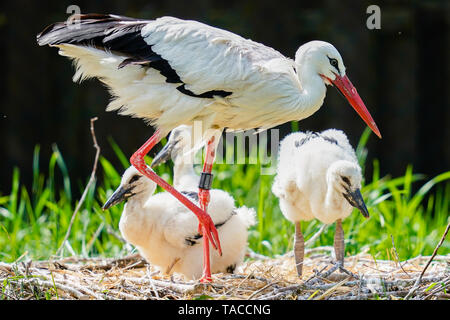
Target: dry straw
{"points": [[258, 279]]}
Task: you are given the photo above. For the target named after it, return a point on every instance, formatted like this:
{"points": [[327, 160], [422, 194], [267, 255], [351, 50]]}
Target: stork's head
{"points": [[178, 145], [322, 58], [133, 183], [345, 177]]}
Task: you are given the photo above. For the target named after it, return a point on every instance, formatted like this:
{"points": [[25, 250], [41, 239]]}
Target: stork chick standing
{"points": [[318, 177], [171, 72]]}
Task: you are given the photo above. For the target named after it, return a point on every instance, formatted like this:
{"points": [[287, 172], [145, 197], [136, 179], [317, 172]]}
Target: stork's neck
{"points": [[334, 200], [137, 201], [136, 223], [184, 176], [313, 89]]}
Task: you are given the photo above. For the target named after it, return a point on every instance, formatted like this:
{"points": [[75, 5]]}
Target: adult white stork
{"points": [[170, 72], [318, 177]]}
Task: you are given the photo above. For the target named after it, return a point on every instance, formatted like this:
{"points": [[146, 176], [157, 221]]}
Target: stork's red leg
{"points": [[204, 198], [208, 229]]}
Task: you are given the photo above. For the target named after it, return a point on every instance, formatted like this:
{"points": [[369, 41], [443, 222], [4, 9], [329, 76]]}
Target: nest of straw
{"points": [[259, 278]]}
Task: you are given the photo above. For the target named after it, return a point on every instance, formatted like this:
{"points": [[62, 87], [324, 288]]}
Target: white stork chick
{"points": [[318, 177], [165, 232]]}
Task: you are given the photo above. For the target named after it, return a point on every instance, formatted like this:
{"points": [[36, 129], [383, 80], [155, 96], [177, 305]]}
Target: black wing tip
{"points": [[41, 38], [106, 31], [48, 36]]}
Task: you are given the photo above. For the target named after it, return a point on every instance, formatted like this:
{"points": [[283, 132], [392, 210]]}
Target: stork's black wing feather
{"points": [[93, 29], [109, 32], [117, 34]]}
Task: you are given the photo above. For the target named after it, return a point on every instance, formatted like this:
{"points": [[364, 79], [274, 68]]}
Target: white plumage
{"points": [[166, 232], [318, 177]]}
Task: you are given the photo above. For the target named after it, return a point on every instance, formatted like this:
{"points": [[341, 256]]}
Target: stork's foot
{"points": [[326, 274], [336, 266], [207, 229], [206, 225], [343, 270], [206, 279]]}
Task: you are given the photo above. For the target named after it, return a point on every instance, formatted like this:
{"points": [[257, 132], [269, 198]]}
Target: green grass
{"points": [[35, 220]]}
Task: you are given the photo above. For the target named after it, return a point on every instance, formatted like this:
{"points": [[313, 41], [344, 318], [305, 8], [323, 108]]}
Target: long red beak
{"points": [[349, 91]]}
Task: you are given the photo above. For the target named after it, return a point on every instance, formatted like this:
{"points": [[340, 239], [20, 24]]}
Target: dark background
{"points": [[400, 71]]}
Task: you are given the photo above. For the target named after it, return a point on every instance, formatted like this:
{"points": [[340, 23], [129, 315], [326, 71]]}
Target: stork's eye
{"points": [[346, 180], [334, 63], [135, 178]]}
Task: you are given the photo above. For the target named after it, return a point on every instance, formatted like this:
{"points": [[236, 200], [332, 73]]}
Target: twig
{"points": [[183, 288], [170, 267], [8, 296], [307, 251], [93, 238], [316, 273], [91, 180], [149, 276], [123, 295], [277, 293], [137, 264], [396, 254], [311, 240], [330, 291], [50, 285], [416, 284], [119, 263], [5, 267], [124, 260], [111, 231], [369, 295], [262, 289], [255, 256], [70, 284], [442, 286], [247, 277]]}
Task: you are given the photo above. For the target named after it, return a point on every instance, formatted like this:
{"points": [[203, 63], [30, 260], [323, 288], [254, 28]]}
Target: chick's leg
{"points": [[299, 248], [339, 250], [339, 245]]}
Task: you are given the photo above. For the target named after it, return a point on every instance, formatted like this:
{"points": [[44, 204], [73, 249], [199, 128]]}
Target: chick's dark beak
{"points": [[121, 194], [355, 199], [163, 155]]}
